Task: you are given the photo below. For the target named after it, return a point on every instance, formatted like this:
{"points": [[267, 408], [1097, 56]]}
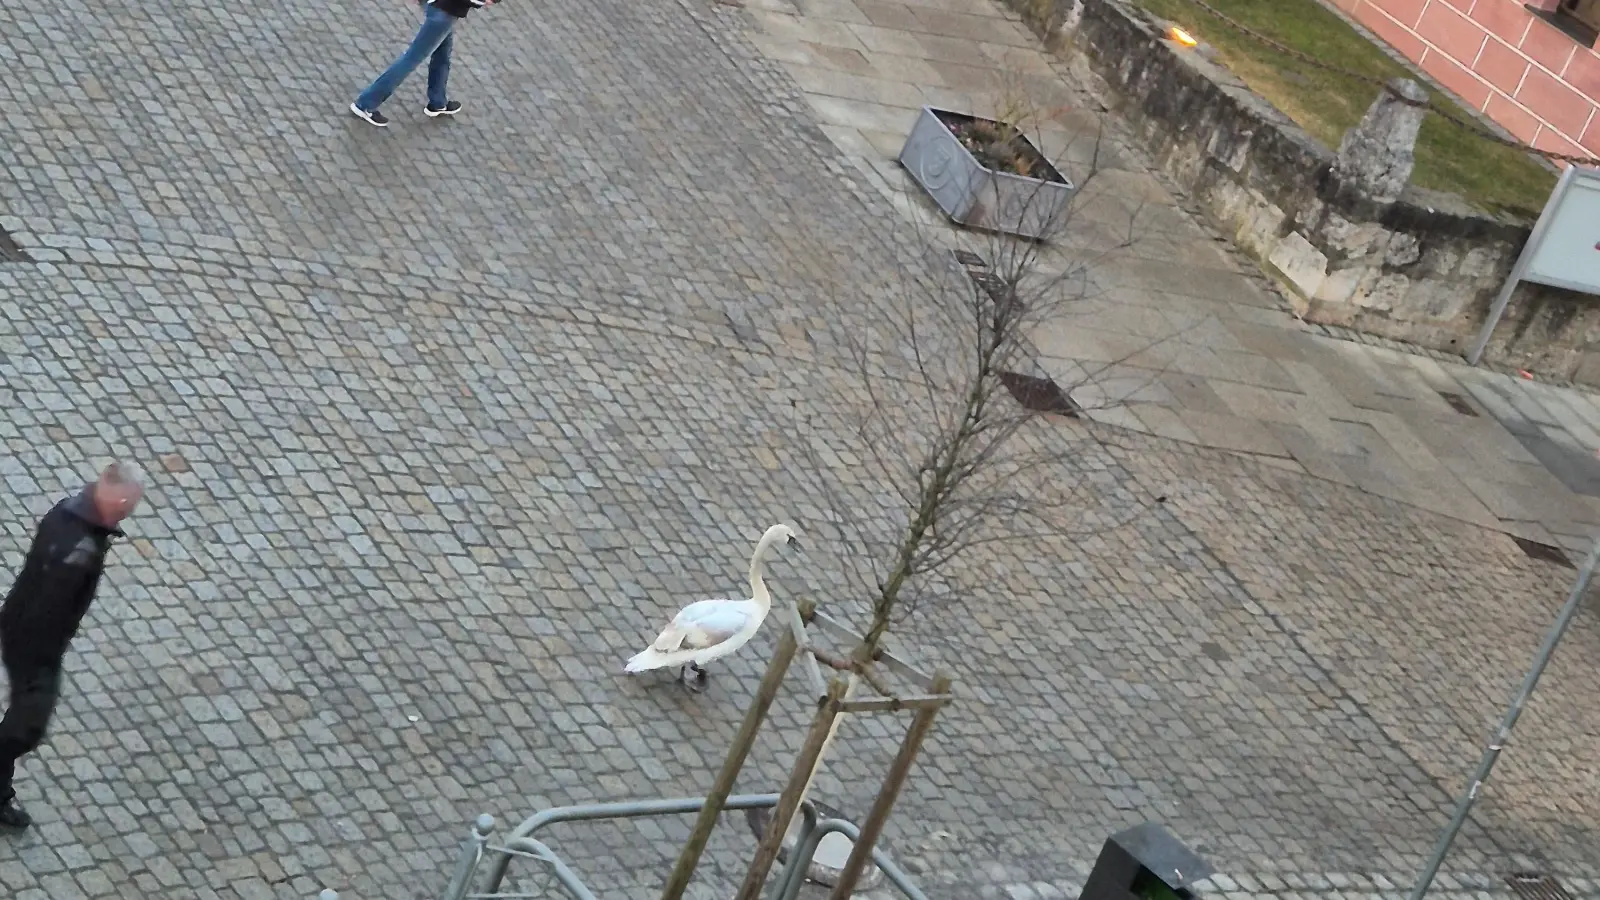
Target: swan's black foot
{"points": [[693, 678]]}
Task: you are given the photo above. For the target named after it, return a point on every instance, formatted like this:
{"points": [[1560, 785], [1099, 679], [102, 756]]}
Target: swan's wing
{"points": [[701, 609], [699, 633], [703, 623], [717, 626]]}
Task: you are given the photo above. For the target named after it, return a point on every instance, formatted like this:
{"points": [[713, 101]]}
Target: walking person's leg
{"points": [[435, 30], [16, 680], [33, 702], [439, 102]]}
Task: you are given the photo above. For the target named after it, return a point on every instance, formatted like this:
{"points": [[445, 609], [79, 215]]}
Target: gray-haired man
{"points": [[44, 608]]}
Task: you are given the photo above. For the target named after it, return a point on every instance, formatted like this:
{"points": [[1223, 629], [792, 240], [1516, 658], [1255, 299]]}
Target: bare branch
{"points": [[956, 462]]}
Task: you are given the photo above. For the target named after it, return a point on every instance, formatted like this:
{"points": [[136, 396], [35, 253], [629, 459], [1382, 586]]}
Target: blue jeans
{"points": [[433, 42]]}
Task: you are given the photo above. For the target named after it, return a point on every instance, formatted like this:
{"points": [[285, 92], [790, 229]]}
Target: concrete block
{"points": [[1303, 265]]}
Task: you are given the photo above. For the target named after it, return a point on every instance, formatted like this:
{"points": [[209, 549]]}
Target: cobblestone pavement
{"points": [[441, 420]]}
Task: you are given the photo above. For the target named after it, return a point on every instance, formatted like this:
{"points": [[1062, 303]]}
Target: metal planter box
{"points": [[976, 195]]}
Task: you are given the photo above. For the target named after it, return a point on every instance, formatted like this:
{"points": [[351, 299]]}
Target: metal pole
{"points": [[1503, 733], [500, 864], [1535, 238], [795, 868], [756, 876], [471, 854], [893, 781], [723, 786]]}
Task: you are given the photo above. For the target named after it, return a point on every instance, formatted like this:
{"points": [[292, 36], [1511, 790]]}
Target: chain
{"points": [[1470, 127]]}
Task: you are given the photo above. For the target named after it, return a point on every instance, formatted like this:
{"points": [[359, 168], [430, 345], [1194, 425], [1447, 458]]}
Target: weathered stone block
{"points": [[1480, 263], [1342, 284], [1303, 264], [1351, 240], [1232, 151], [1441, 259], [1434, 300], [1378, 154], [1404, 249], [1259, 221], [1384, 294], [1587, 370]]}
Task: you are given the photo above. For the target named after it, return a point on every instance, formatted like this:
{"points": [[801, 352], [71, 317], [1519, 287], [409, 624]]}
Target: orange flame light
{"points": [[1182, 37]]}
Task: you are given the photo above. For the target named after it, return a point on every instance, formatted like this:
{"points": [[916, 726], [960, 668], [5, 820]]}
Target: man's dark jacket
{"points": [[57, 583]]}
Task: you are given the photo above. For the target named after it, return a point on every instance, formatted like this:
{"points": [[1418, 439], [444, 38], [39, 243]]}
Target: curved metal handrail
{"points": [[627, 809], [520, 842]]}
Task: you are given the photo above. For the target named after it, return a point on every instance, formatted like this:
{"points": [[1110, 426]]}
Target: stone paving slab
{"points": [[1287, 390]]}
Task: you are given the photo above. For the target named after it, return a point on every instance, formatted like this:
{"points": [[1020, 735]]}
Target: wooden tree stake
{"points": [[723, 786], [899, 771], [789, 801]]}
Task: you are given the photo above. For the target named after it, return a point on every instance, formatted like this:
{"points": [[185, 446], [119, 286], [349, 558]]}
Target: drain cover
{"points": [[1544, 552], [1458, 403], [994, 286], [969, 259], [1039, 394], [1537, 886], [1001, 293]]}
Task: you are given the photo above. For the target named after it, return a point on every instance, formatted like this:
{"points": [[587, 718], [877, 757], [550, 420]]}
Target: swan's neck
{"points": [[758, 585]]}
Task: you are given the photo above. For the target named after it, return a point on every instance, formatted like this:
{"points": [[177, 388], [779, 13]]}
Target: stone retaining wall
{"points": [[1422, 270]]}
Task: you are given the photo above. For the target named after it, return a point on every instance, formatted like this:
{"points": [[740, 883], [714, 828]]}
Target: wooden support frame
{"points": [[833, 700], [894, 704], [755, 878], [893, 781], [796, 618], [843, 633]]}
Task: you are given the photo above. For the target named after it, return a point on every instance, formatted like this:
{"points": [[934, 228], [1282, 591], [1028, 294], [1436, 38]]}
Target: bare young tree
{"points": [[959, 425], [954, 441]]}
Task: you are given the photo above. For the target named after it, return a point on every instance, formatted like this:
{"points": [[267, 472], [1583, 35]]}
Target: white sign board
{"points": [[1568, 252], [1562, 251]]}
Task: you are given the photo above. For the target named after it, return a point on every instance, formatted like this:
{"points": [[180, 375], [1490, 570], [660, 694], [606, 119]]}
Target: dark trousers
{"points": [[34, 690]]}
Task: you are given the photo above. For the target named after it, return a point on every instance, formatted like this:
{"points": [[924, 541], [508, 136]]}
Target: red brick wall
{"points": [[1513, 66]]}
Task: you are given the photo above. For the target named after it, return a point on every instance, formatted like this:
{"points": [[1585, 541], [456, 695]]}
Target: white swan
{"points": [[710, 629]]}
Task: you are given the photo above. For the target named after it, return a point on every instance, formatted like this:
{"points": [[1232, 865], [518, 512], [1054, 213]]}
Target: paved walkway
{"points": [[441, 420], [1182, 337]]}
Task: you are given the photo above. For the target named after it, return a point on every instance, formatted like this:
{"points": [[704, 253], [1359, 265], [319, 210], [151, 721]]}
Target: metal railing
{"points": [[521, 844], [793, 876]]}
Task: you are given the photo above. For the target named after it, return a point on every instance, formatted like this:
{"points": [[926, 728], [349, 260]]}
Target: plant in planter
{"points": [[996, 145], [962, 444]]}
